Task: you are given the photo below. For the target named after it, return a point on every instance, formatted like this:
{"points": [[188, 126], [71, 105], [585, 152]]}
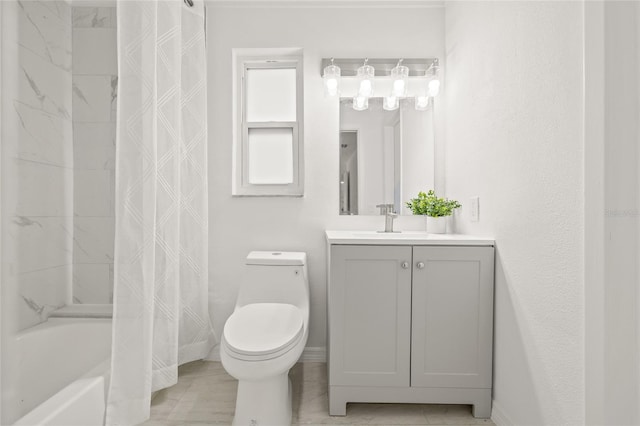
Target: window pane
{"points": [[271, 95], [270, 156]]}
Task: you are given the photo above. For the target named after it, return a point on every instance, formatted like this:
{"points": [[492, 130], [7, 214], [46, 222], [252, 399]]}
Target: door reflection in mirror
{"points": [[348, 172]]}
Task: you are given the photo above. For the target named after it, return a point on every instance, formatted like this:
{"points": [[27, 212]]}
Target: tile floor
{"points": [[205, 395]]}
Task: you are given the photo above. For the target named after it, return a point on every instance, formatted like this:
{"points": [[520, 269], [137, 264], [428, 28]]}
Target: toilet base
{"points": [[264, 403]]}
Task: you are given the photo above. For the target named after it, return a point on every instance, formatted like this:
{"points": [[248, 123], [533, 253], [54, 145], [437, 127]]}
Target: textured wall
{"points": [[621, 134], [239, 225], [514, 103], [95, 80], [37, 159]]}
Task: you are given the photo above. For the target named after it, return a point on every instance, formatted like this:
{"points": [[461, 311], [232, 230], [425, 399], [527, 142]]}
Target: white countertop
{"points": [[409, 238]]}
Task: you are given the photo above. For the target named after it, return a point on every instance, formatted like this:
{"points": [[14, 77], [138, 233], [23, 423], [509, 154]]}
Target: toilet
{"points": [[266, 334]]}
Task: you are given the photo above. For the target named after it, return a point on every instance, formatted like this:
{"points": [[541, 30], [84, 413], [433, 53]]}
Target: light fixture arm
{"points": [[418, 67]]}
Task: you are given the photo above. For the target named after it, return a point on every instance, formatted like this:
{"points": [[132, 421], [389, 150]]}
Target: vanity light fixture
{"points": [[365, 80], [390, 103], [400, 76], [360, 103], [331, 77]]}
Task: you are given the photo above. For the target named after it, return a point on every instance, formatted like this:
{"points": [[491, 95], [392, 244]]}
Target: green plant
{"points": [[430, 205]]}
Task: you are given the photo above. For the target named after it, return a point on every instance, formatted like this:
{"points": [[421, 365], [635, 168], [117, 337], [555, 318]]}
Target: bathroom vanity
{"points": [[410, 319]]}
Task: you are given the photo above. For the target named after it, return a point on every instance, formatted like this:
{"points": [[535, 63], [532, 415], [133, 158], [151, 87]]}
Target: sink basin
{"points": [[411, 235]]}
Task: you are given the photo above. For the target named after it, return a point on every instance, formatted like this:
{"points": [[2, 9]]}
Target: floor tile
{"points": [[205, 395]]}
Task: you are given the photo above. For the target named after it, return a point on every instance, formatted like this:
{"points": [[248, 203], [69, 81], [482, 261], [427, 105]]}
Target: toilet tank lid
{"points": [[276, 258]]}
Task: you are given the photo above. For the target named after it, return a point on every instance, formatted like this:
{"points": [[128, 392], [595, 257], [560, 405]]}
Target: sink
{"points": [[409, 235]]}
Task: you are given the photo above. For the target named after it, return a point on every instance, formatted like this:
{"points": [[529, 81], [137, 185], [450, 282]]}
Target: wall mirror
{"points": [[386, 157]]}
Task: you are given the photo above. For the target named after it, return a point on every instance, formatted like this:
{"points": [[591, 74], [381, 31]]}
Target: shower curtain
{"points": [[161, 317]]}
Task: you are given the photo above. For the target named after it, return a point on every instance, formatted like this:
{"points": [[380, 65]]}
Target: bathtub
{"points": [[63, 372]]}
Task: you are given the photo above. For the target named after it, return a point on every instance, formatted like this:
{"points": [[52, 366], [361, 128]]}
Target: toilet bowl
{"points": [[265, 336]]}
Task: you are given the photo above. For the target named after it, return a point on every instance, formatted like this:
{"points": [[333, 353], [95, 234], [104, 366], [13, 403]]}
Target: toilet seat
{"points": [[261, 331]]}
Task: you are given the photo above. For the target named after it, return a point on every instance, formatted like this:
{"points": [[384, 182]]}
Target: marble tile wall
{"points": [[95, 81], [37, 155]]}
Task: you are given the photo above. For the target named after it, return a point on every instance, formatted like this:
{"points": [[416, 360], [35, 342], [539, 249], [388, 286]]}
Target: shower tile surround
{"points": [[59, 146], [95, 84], [38, 152]]}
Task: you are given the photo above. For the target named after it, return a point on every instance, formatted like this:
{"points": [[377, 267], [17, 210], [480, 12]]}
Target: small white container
{"points": [[437, 225]]}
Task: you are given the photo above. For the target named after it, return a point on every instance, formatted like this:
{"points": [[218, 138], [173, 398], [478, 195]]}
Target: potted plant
{"points": [[435, 208]]}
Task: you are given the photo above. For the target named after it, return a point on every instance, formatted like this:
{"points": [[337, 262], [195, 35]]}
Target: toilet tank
{"points": [[275, 277]]}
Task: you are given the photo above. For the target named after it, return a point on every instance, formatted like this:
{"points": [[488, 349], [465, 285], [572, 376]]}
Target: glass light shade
{"points": [[331, 77], [399, 75], [365, 80], [434, 80], [360, 103], [390, 103], [422, 103]]}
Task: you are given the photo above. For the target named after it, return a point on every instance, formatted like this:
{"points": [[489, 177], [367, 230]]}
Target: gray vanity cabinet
{"points": [[410, 324], [371, 311], [452, 317]]}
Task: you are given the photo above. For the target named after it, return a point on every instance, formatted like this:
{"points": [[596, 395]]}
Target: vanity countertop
{"points": [[408, 238]]}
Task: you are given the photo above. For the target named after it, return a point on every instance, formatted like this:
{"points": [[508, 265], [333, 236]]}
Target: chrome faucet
{"points": [[389, 215]]}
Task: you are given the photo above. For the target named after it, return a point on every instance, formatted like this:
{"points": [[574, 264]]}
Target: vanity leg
{"points": [[337, 405], [482, 407]]}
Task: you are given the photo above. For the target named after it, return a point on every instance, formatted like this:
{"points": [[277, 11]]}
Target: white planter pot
{"points": [[437, 225]]}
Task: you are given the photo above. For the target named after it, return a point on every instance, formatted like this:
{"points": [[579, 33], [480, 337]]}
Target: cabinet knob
{"points": [[420, 265], [405, 265]]}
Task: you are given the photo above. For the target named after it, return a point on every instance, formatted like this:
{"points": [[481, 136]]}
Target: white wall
{"points": [[514, 129], [621, 96], [239, 225], [594, 241]]}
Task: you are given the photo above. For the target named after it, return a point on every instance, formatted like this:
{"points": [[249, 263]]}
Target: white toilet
{"points": [[265, 336]]}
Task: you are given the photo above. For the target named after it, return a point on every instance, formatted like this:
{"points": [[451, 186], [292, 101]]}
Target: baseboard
{"points": [[314, 354], [499, 416], [310, 354]]}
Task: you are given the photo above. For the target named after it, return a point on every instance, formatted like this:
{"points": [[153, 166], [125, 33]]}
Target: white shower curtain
{"points": [[161, 317]]}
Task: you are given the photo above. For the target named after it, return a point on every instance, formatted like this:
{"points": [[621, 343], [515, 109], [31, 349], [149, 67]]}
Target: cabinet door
{"points": [[369, 315], [452, 317]]}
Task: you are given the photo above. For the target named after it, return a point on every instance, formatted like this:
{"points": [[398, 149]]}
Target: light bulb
{"points": [[422, 103], [360, 103], [434, 87], [399, 88], [366, 88], [331, 86], [390, 103]]}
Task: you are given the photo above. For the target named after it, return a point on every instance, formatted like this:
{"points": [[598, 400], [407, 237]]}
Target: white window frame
{"points": [[241, 185]]}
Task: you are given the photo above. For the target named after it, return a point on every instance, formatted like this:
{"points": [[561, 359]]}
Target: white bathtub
{"points": [[63, 372]]}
